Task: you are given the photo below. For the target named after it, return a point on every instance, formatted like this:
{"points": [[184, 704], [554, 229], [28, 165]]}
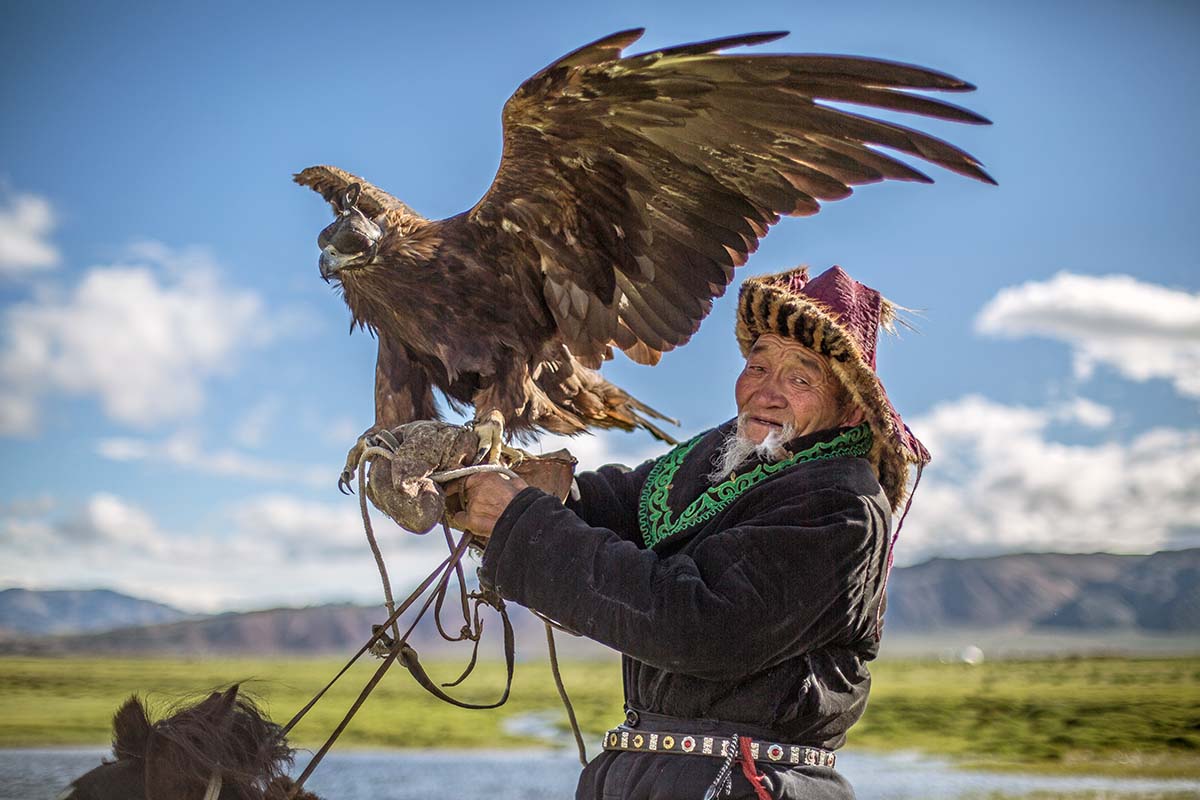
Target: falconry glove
{"points": [[402, 486]]}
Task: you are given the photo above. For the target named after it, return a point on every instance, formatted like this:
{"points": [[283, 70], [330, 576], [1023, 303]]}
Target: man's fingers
{"points": [[461, 521], [484, 497], [473, 480]]}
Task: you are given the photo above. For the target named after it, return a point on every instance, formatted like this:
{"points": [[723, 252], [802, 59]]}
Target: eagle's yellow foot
{"points": [[513, 455], [372, 437], [490, 430]]}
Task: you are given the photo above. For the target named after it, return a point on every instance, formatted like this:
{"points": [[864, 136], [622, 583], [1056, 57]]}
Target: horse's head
{"points": [[222, 748]]}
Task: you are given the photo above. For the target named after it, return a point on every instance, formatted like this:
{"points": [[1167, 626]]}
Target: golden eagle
{"points": [[628, 191]]}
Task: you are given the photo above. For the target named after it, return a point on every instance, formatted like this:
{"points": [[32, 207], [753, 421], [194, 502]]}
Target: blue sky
{"points": [[178, 389]]}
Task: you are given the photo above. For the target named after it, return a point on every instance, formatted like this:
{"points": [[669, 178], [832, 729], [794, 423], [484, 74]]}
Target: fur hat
{"points": [[838, 317]]}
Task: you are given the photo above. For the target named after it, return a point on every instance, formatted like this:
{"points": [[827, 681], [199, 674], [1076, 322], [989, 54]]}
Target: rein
{"points": [[395, 647], [213, 790]]}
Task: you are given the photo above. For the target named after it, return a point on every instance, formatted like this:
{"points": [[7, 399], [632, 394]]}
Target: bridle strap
{"points": [[333, 737], [411, 661], [214, 786], [379, 633], [400, 649]]}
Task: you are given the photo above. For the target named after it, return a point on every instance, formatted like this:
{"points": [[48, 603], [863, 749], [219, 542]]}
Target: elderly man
{"points": [[742, 574]]}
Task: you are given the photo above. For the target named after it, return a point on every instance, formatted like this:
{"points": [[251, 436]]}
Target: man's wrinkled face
{"points": [[786, 383]]}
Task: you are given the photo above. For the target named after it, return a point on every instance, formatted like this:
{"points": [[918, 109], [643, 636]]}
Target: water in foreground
{"points": [[28, 774]]}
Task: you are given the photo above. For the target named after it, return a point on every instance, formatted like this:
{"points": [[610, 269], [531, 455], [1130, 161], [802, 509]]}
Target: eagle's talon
{"points": [[490, 430], [386, 440], [346, 478], [513, 455]]}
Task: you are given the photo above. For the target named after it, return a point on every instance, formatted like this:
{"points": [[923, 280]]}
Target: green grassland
{"points": [[1089, 715], [1118, 716]]}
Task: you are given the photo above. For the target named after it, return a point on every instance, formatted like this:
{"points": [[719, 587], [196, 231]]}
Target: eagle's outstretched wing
{"points": [[332, 183], [641, 182]]}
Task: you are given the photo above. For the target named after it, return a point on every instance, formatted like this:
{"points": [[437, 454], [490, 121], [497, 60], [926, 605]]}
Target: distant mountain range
{"points": [[1096, 594], [25, 612]]}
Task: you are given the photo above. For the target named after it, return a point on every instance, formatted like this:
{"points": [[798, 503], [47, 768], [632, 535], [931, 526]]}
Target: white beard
{"points": [[737, 448]]}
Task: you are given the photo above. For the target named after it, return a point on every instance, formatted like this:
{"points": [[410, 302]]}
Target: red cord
{"points": [[892, 554], [749, 770]]}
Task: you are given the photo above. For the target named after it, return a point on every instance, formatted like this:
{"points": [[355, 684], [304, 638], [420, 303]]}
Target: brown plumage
{"points": [[628, 191]]}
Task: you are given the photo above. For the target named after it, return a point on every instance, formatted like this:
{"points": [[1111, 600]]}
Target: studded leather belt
{"points": [[624, 738]]}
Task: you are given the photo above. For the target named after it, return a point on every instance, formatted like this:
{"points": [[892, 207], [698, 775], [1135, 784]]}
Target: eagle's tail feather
{"points": [[639, 412], [617, 408]]}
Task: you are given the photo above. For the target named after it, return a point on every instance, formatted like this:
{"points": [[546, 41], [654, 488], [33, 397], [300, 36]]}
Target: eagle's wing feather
{"points": [[641, 182], [332, 183]]}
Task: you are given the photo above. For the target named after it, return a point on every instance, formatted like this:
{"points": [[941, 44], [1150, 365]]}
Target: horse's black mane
{"points": [[226, 733]]}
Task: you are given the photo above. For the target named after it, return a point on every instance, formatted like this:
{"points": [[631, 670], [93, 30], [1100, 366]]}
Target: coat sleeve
{"points": [[802, 575], [608, 498]]}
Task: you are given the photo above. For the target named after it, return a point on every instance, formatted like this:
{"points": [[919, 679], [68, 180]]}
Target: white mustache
{"points": [[737, 447]]}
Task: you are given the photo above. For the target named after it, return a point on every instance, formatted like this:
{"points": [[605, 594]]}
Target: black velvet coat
{"points": [[754, 609]]}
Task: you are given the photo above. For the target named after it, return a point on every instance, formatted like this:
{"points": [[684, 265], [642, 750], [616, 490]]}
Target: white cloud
{"points": [[604, 447], [252, 428], [26, 221], [273, 549], [104, 521], [35, 506], [18, 411], [1141, 330], [340, 431], [185, 450], [1001, 482], [304, 528], [278, 550], [1084, 412], [143, 338]]}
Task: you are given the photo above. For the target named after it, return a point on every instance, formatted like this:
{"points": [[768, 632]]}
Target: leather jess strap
{"points": [[408, 657]]}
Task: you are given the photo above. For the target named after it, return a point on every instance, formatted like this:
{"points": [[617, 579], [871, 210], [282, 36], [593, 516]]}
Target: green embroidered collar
{"points": [[657, 520]]}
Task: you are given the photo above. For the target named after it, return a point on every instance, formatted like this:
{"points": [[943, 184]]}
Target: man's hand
{"points": [[484, 496]]}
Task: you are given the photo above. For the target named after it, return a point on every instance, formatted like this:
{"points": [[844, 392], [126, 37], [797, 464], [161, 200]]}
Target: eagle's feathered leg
{"points": [[500, 408], [402, 394]]}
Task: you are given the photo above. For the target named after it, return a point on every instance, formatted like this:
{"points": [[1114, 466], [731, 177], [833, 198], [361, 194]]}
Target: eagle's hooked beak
{"points": [[331, 262], [349, 242]]}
